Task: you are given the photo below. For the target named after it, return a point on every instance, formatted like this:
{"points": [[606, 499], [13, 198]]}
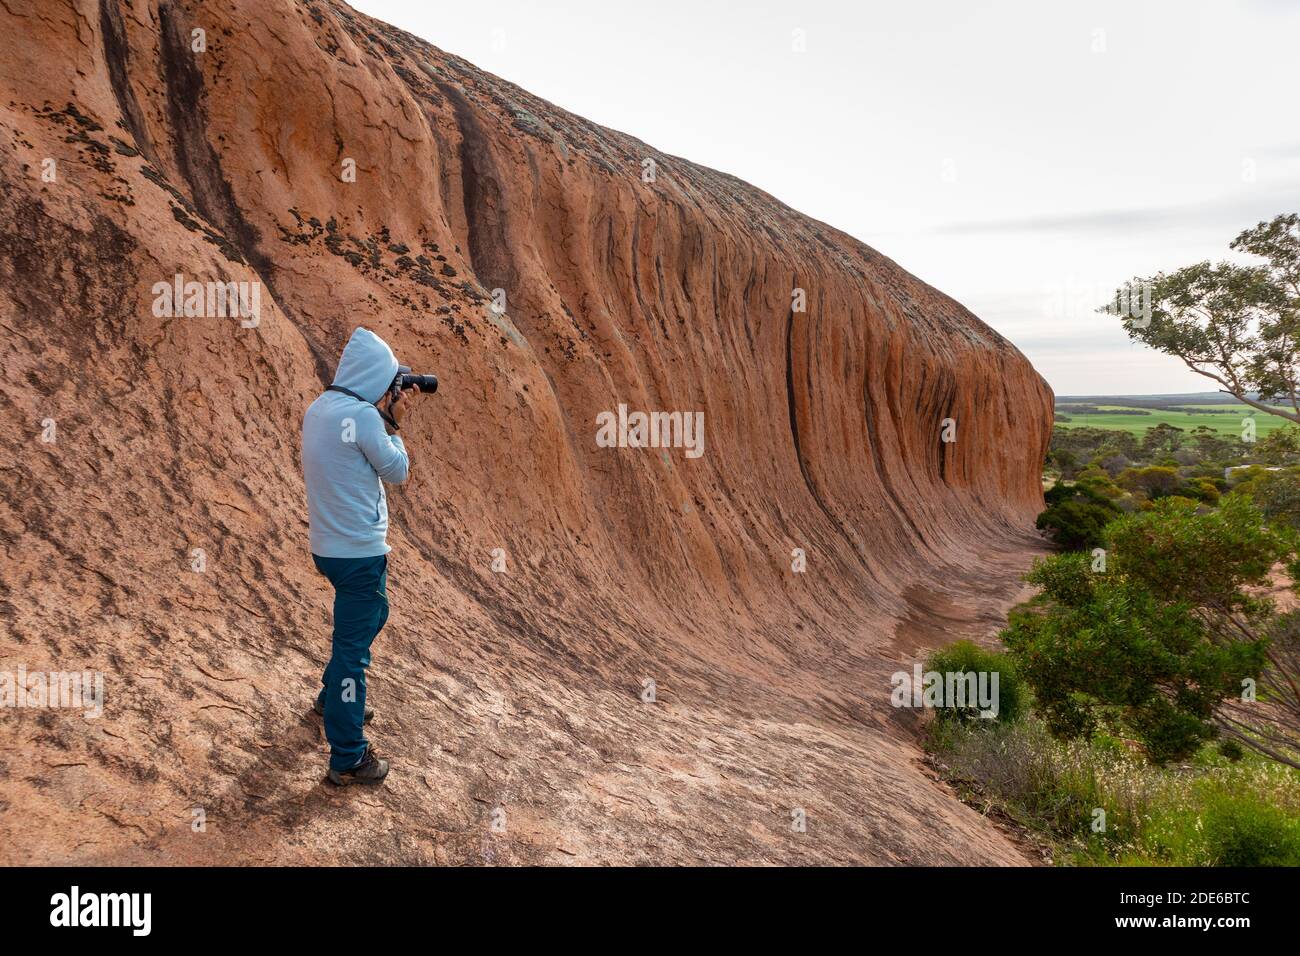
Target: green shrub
{"points": [[1063, 492], [1076, 515], [1243, 479], [1169, 733], [1244, 830], [1281, 447], [1156, 481], [1216, 820], [1074, 526], [1202, 489], [1277, 495], [1142, 641], [1102, 485], [965, 657], [1231, 750], [1178, 554]]}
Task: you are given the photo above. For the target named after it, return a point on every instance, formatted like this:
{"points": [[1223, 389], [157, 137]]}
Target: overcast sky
{"points": [[1023, 156]]}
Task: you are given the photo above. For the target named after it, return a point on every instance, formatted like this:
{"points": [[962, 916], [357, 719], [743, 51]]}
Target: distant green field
{"points": [[1224, 424]]}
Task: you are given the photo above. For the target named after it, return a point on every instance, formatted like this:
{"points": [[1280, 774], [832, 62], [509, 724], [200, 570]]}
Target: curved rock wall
{"points": [[174, 447]]}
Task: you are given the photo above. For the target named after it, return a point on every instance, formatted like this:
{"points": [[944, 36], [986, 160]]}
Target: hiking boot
{"points": [[319, 710], [372, 769]]}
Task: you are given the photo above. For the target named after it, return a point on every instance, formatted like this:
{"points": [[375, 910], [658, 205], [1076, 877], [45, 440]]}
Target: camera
{"points": [[425, 383], [404, 380]]}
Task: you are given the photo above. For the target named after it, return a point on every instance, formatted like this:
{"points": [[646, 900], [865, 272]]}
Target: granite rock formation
{"points": [[595, 654]]}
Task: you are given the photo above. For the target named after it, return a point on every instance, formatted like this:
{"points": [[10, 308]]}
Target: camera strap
{"points": [[391, 422]]}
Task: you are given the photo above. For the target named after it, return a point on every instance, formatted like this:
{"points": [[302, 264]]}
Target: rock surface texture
{"points": [[137, 447]]}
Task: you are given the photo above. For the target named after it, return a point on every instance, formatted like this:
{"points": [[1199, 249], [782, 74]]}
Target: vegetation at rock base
{"points": [[1158, 721], [966, 657], [1211, 810], [1076, 515], [1163, 636]]}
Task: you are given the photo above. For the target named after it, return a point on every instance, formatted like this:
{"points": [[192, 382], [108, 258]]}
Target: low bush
{"points": [[1076, 516], [966, 657]]}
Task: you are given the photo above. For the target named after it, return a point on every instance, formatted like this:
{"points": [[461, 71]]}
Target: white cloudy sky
{"points": [[1023, 156]]}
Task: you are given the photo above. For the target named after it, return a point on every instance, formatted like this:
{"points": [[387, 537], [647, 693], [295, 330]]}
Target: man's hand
{"points": [[398, 406]]}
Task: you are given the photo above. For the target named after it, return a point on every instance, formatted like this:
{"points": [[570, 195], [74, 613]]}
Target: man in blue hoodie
{"points": [[348, 453]]}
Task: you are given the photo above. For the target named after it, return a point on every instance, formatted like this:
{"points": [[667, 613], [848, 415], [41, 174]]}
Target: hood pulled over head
{"points": [[367, 366]]}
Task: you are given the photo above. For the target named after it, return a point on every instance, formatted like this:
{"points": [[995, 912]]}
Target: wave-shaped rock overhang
{"points": [[823, 435]]}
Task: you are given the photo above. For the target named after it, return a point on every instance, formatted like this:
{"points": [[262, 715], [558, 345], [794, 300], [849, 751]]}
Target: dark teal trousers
{"points": [[360, 611]]}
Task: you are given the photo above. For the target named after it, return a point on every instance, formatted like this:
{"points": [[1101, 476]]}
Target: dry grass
{"points": [[1211, 811]]}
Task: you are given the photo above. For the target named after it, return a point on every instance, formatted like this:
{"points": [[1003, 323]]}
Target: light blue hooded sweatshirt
{"points": [[346, 452]]}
